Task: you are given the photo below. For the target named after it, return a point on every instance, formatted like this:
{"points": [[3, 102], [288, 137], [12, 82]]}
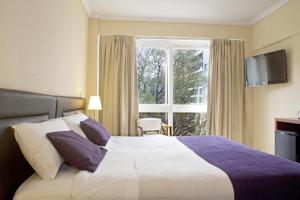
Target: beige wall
{"points": [[183, 30], [92, 67], [278, 26], [43, 46], [281, 30]]}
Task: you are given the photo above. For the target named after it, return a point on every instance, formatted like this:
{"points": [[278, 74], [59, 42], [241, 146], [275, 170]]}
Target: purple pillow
{"points": [[95, 132], [76, 150]]}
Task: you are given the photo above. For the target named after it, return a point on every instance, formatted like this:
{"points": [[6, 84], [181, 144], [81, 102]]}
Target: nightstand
{"points": [[167, 129]]}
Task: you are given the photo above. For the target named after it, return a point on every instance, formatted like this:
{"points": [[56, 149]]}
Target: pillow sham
{"points": [[73, 122], [95, 132], [76, 150], [37, 149]]}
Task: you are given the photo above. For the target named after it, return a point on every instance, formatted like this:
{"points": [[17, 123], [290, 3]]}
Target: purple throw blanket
{"points": [[254, 175]]}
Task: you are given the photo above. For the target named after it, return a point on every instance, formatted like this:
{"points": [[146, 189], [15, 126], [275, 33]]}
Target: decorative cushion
{"points": [[76, 150], [73, 122], [37, 149], [95, 132]]}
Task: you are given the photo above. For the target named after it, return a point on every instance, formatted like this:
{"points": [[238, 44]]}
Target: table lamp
{"points": [[95, 104]]}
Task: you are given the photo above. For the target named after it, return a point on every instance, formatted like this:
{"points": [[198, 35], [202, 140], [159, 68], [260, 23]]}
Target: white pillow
{"points": [[73, 122], [37, 149]]}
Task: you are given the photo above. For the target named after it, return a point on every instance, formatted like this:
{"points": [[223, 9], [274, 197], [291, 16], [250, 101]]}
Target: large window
{"points": [[172, 82]]}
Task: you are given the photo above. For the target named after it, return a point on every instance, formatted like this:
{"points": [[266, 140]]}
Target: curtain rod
{"points": [[178, 37], [172, 37], [183, 38]]}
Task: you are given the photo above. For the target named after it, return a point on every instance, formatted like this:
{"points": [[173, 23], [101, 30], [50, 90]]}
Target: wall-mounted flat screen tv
{"points": [[265, 69]]}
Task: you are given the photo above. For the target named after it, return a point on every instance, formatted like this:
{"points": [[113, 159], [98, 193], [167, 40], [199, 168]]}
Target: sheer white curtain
{"points": [[118, 84], [225, 114]]}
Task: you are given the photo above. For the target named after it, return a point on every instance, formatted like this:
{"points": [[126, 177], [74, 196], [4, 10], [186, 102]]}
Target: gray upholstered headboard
{"points": [[17, 107]]}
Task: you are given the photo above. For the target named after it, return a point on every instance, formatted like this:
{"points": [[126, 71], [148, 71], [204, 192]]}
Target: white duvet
{"points": [[151, 167]]}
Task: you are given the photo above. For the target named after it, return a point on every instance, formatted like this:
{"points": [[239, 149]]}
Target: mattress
{"points": [[151, 167]]}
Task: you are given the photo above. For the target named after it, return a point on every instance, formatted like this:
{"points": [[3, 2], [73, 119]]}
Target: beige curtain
{"points": [[226, 89], [118, 85]]}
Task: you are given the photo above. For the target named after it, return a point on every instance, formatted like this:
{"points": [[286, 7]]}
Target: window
{"points": [[152, 64], [172, 82], [188, 76]]}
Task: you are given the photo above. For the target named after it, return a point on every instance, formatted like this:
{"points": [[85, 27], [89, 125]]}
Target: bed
{"points": [[150, 167], [136, 168]]}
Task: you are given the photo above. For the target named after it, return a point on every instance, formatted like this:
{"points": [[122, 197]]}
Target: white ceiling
{"points": [[242, 12]]}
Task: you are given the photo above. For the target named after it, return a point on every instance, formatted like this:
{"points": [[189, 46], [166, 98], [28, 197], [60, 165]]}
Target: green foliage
{"points": [[151, 66], [187, 76], [188, 124]]}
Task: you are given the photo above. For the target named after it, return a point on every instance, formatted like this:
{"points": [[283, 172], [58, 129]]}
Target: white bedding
{"points": [[151, 167]]}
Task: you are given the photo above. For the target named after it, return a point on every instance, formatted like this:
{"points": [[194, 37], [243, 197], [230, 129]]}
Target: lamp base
{"points": [[95, 115]]}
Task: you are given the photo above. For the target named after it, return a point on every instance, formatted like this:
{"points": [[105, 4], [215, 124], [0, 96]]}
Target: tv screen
{"points": [[269, 68]]}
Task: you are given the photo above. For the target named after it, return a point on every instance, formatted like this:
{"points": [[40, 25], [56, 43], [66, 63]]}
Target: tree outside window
{"points": [[182, 70]]}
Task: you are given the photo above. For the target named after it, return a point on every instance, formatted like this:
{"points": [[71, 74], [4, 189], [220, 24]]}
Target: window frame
{"points": [[170, 45]]}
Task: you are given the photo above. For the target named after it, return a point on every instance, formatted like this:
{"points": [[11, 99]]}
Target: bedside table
{"points": [[167, 130]]}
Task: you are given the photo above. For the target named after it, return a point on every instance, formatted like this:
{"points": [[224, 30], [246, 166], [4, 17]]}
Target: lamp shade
{"points": [[95, 103]]}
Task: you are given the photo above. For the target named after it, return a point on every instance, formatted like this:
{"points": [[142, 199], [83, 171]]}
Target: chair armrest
{"points": [[140, 129]]}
